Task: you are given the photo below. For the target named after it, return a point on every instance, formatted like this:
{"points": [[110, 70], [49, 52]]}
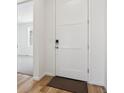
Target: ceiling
{"points": [[22, 1]]}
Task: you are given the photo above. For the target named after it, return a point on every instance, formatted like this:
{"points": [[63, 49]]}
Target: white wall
{"points": [[39, 34], [98, 41], [50, 35], [44, 41]]}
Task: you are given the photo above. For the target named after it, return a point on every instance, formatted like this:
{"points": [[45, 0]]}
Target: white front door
{"points": [[71, 39]]}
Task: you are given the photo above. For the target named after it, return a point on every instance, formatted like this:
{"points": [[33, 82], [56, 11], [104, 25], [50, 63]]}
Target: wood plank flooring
{"points": [[26, 84]]}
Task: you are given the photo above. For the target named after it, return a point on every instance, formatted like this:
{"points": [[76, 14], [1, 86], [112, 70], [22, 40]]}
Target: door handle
{"points": [[57, 44], [57, 41]]}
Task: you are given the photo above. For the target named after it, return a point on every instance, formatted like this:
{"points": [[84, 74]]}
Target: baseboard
{"points": [[97, 83], [101, 85], [50, 74], [37, 78]]}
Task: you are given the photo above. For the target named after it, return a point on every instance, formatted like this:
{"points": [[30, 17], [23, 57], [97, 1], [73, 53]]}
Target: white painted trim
{"points": [[94, 83], [54, 31], [50, 74], [88, 38], [94, 79], [37, 78]]}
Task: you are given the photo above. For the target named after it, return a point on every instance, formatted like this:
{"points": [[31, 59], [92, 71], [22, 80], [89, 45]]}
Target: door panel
{"points": [[69, 36], [68, 61], [71, 33], [66, 12]]}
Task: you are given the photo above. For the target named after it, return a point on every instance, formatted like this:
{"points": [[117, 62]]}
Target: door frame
{"points": [[88, 35]]}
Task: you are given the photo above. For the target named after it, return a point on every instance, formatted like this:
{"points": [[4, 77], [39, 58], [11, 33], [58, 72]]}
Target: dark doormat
{"points": [[71, 85]]}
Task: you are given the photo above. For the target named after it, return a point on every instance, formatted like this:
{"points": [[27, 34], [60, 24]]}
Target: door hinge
{"points": [[88, 21], [88, 47], [88, 70]]}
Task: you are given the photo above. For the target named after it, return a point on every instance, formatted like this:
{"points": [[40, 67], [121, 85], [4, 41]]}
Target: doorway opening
{"points": [[25, 37]]}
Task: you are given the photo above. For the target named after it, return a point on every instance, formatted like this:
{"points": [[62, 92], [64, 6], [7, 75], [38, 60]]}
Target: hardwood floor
{"points": [[26, 84]]}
